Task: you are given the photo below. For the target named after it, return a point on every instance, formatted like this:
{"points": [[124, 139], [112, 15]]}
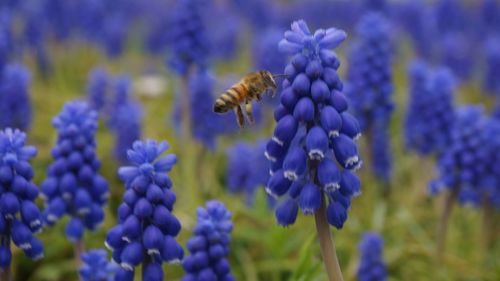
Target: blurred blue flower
{"points": [[34, 34], [430, 113], [96, 266], [122, 88], [370, 88], [73, 185], [487, 190], [489, 16], [15, 103], [209, 246], [417, 18], [312, 151], [6, 37], [456, 52], [114, 34], [205, 124], [259, 13], [158, 16], [247, 168], [97, 88], [226, 26], [146, 226], [20, 217], [62, 17], [189, 43], [127, 129], [491, 83], [450, 16], [464, 165], [372, 266], [266, 55], [92, 17]]}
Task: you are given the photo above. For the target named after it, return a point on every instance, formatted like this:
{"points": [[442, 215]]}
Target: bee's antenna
{"points": [[279, 75]]}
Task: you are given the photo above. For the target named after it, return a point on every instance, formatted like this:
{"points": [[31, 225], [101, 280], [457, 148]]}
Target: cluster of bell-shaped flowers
{"points": [[247, 168], [97, 88], [430, 114], [96, 266], [371, 266], [464, 166], [487, 188], [73, 185], [15, 104], [312, 151], [370, 88], [209, 246], [146, 228], [189, 41], [19, 216], [491, 83]]}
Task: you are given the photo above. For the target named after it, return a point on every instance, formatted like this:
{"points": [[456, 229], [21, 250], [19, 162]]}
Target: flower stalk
{"points": [[327, 246], [443, 223]]}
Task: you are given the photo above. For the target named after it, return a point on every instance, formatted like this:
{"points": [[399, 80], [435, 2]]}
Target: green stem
{"points": [[443, 223], [326, 244], [186, 107], [78, 248], [486, 226]]}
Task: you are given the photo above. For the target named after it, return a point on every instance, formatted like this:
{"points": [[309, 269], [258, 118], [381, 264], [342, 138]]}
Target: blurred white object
{"points": [[150, 85]]}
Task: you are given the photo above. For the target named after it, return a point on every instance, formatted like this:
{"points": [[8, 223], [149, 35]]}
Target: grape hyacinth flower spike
{"points": [[372, 266], [209, 245], [15, 107], [96, 266], [370, 90], [73, 185], [312, 151], [146, 228], [97, 88], [19, 215], [430, 114], [458, 168]]}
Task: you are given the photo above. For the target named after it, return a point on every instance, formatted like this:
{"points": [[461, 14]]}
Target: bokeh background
{"points": [[60, 43]]}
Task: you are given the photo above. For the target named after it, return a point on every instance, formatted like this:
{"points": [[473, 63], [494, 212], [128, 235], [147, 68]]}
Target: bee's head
{"points": [[220, 106], [268, 78]]}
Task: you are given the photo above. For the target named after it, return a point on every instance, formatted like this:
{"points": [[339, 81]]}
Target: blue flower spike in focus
{"points": [[313, 152], [20, 218], [371, 266], [73, 185], [209, 245], [146, 229], [96, 266]]}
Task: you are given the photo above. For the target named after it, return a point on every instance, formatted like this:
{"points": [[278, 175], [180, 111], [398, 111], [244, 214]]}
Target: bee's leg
{"points": [[239, 116], [258, 97], [248, 109], [273, 92]]}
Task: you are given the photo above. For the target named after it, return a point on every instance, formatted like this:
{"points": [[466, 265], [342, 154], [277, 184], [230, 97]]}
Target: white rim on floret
{"points": [[333, 134], [269, 157], [316, 154], [278, 141], [291, 175]]}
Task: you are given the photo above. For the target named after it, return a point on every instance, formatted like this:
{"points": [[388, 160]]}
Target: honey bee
{"points": [[251, 86]]}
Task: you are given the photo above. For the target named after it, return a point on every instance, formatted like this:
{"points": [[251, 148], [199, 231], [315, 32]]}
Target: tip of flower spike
{"points": [[299, 39]]}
